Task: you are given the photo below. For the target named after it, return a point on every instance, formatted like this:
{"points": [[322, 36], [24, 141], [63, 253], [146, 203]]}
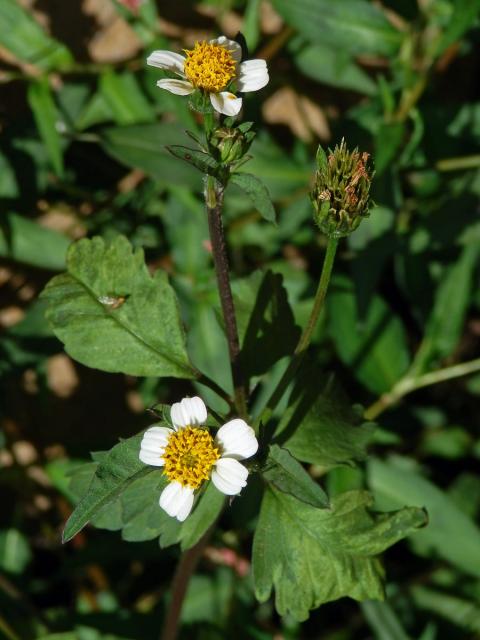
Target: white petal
{"points": [[226, 103], [187, 505], [237, 439], [178, 87], [253, 75], [153, 445], [188, 412], [229, 476], [167, 60], [177, 500], [232, 46]]}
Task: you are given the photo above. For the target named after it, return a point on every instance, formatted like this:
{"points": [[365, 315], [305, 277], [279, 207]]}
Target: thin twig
{"points": [[409, 384], [214, 202]]}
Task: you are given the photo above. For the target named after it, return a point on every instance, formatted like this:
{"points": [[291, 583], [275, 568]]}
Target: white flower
{"points": [[190, 455], [211, 67]]}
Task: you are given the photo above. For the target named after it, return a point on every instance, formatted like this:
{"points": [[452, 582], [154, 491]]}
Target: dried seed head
{"points": [[341, 190]]}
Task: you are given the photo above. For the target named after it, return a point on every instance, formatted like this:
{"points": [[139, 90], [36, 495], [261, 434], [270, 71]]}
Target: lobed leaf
{"points": [[319, 555]]}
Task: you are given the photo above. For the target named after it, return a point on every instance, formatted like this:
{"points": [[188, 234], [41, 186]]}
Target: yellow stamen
{"points": [[209, 66], [189, 456]]}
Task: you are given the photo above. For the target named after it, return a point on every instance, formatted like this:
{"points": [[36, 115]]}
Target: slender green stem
{"points": [[408, 384], [307, 333], [457, 164]]}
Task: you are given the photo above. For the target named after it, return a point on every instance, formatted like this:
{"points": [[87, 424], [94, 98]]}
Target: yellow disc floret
{"points": [[209, 66], [189, 456]]}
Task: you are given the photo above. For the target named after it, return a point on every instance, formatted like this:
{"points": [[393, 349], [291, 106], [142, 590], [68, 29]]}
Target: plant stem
{"points": [[408, 384], [184, 572], [214, 202], [306, 336]]}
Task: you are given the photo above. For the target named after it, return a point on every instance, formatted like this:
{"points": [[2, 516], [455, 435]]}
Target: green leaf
{"points": [[144, 147], [257, 192], [320, 427], [15, 553], [463, 18], [287, 474], [337, 69], [383, 621], [24, 240], [319, 555], [112, 315], [124, 96], [452, 300], [200, 160], [46, 117], [25, 38], [355, 26], [375, 347], [117, 469], [266, 324], [204, 515], [458, 611], [396, 483], [388, 142]]}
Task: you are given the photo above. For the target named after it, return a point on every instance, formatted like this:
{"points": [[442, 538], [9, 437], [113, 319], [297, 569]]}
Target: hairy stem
{"points": [[185, 569], [214, 202], [409, 384], [306, 336]]}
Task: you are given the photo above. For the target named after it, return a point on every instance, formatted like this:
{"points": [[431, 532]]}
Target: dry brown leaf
{"points": [[300, 114]]}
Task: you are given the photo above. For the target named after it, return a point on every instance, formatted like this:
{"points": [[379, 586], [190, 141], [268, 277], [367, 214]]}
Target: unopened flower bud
{"points": [[341, 190], [230, 144]]}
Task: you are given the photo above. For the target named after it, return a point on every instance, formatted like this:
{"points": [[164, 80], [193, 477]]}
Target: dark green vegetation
{"points": [[83, 136]]}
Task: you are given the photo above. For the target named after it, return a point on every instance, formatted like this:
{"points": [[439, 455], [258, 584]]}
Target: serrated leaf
{"points": [[320, 427], [257, 192], [350, 25], [200, 160], [112, 315], [45, 113], [287, 474], [321, 555], [114, 473]]}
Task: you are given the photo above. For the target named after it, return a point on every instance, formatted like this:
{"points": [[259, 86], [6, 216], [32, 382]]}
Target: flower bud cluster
{"points": [[341, 191], [230, 144]]}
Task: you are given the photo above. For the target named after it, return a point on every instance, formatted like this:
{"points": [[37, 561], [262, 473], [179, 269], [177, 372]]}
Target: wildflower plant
{"points": [[249, 438]]}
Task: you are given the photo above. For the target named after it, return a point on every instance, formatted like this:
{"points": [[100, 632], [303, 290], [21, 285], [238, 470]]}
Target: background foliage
{"points": [[83, 130]]}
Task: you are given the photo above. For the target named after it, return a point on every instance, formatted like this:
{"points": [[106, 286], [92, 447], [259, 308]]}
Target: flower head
{"points": [[212, 67], [190, 455]]}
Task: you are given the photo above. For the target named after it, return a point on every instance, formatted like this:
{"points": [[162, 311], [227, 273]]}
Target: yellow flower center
{"points": [[189, 455], [209, 66]]}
